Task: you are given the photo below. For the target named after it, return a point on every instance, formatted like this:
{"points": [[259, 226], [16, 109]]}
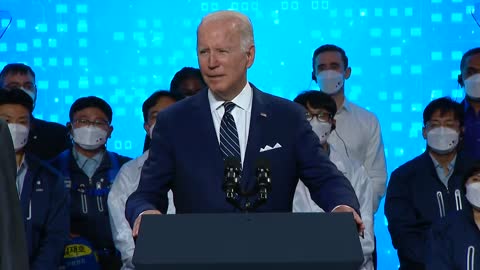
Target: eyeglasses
{"points": [[86, 123], [27, 86], [448, 124], [321, 116]]}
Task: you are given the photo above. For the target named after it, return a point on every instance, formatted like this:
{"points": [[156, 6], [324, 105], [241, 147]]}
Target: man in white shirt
{"points": [[357, 133], [321, 109], [127, 179]]}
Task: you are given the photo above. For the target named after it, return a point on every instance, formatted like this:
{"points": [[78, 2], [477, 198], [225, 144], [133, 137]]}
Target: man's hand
{"points": [[136, 225], [356, 217]]}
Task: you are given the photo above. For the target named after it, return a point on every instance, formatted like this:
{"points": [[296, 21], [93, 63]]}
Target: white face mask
{"points": [[472, 86], [90, 137], [330, 81], [19, 135], [150, 131], [442, 140], [473, 194], [322, 129]]}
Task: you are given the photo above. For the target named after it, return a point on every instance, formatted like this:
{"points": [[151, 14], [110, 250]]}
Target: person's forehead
{"points": [[310, 109], [473, 61], [93, 112], [161, 104], [16, 110], [218, 30], [329, 56], [448, 115], [18, 76]]}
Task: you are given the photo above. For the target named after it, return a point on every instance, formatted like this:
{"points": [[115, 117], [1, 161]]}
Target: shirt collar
{"points": [[23, 165], [437, 165], [81, 159], [345, 106], [243, 100]]}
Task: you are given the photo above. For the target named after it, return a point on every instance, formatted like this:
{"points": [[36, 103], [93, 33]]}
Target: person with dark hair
{"points": [[469, 79], [127, 180], [40, 188], [13, 247], [321, 109], [454, 242], [232, 119], [151, 102], [427, 188], [46, 139], [358, 131], [187, 82], [89, 170]]}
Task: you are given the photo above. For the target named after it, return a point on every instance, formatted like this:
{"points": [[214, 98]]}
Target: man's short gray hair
{"points": [[240, 21]]}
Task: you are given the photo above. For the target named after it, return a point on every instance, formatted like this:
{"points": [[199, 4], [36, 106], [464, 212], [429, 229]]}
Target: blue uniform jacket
{"points": [[88, 209], [454, 243], [185, 156], [415, 199], [45, 210]]}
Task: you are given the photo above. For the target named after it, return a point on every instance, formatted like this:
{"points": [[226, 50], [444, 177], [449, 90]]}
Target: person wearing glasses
{"points": [[321, 109], [89, 170], [429, 187], [43, 200], [46, 139]]}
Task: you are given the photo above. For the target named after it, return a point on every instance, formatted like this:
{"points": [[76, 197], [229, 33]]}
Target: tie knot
{"points": [[228, 106]]}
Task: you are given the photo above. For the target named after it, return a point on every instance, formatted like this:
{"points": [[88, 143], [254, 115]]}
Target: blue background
{"points": [[403, 53]]}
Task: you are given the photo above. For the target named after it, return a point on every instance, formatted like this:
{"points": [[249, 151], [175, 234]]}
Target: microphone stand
{"points": [[233, 192]]}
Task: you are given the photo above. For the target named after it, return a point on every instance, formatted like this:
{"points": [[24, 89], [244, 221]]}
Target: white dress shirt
{"points": [[362, 185], [358, 136], [126, 182], [241, 114]]}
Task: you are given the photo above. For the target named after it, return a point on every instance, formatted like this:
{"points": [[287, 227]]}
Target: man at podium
{"points": [[233, 119]]}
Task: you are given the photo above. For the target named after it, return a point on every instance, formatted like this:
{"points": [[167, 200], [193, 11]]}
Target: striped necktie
{"points": [[229, 143]]}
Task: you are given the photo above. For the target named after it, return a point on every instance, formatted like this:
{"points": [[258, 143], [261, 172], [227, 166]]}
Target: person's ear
{"points": [[460, 80], [348, 72], [250, 56], [146, 127], [424, 133], [314, 78], [69, 130], [109, 132]]}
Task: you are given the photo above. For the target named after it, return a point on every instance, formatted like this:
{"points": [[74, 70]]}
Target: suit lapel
{"points": [[258, 121], [202, 120]]}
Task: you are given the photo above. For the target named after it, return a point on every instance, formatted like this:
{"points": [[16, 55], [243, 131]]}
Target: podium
{"points": [[242, 241]]}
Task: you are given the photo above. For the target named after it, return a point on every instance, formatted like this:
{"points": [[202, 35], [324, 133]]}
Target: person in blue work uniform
{"points": [[455, 241], [89, 170], [427, 188], [43, 199]]}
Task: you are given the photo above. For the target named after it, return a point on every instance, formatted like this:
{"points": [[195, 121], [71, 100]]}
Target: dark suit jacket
{"points": [[47, 140], [185, 156], [13, 249]]}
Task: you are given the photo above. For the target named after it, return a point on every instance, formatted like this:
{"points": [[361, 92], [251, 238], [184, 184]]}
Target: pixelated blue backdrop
{"points": [[403, 53]]}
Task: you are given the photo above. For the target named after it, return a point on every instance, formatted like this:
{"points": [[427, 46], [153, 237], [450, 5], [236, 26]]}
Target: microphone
{"points": [[264, 181], [231, 182], [5, 16]]}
